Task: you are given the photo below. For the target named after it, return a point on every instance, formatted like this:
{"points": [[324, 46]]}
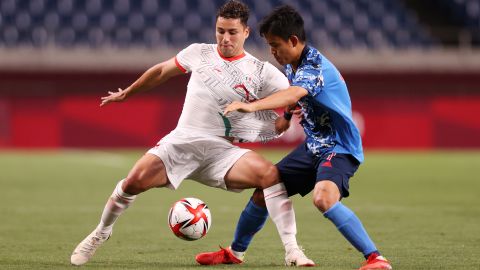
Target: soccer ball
{"points": [[189, 219]]}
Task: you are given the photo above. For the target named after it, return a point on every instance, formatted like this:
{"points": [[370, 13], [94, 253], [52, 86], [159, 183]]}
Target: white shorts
{"points": [[203, 158]]}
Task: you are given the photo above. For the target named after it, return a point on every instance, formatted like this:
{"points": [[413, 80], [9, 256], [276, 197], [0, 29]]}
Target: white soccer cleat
{"points": [[85, 250], [296, 257]]}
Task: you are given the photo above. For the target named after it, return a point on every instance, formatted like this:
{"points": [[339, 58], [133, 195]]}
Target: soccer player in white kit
{"points": [[200, 147]]}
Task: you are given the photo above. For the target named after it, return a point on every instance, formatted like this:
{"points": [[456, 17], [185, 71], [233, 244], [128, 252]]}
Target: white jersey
{"points": [[215, 82]]}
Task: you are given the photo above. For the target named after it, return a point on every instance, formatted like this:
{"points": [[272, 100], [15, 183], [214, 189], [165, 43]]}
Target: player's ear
{"points": [[247, 31], [294, 40]]}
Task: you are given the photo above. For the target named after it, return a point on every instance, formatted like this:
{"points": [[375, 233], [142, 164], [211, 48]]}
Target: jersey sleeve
{"points": [[274, 80], [186, 58], [310, 78]]}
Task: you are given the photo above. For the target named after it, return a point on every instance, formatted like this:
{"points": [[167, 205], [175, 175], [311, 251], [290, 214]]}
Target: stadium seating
{"points": [[345, 24], [467, 14]]}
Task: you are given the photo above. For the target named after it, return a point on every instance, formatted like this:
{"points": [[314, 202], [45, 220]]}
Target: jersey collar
{"points": [[303, 56], [230, 59], [304, 53]]}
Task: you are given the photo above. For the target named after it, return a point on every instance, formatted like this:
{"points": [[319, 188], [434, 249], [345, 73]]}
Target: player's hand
{"points": [[295, 110], [298, 113], [118, 96], [238, 106]]}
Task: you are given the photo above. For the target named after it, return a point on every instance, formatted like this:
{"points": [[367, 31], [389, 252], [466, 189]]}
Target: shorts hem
{"points": [[227, 168], [173, 182]]}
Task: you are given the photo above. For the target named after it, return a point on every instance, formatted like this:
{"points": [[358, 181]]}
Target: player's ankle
{"points": [[374, 253], [238, 254], [104, 231], [291, 246]]}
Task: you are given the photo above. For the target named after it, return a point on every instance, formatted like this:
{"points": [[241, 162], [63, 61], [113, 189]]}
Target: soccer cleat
{"points": [[296, 257], [376, 262], [85, 250], [223, 256]]}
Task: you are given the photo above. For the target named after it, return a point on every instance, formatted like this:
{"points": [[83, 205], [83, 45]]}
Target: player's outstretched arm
{"points": [[280, 99], [154, 76]]}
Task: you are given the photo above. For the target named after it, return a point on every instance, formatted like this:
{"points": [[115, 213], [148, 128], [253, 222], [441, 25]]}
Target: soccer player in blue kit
{"points": [[332, 150]]}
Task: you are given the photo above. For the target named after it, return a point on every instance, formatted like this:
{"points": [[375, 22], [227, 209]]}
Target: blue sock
{"points": [[250, 222], [351, 227]]}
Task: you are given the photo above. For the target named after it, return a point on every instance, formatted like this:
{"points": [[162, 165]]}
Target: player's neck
{"points": [[298, 56]]}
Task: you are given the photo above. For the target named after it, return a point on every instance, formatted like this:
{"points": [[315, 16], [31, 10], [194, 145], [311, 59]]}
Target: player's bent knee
{"points": [[269, 177], [149, 172], [323, 203], [137, 182], [325, 195]]}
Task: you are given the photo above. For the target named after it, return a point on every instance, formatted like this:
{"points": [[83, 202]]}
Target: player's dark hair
{"points": [[234, 9], [284, 22]]}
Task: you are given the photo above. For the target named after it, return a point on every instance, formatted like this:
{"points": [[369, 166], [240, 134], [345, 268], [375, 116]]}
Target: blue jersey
{"points": [[327, 108]]}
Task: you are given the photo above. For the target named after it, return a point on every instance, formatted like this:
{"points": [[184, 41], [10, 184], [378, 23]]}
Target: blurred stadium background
{"points": [[413, 67], [413, 71]]}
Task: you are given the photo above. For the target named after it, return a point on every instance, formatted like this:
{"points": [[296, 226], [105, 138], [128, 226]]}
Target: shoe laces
{"points": [[223, 252], [92, 244], [299, 253], [299, 250], [297, 257]]}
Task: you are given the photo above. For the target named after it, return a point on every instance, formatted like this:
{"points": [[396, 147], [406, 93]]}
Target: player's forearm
{"points": [[154, 76], [280, 99]]}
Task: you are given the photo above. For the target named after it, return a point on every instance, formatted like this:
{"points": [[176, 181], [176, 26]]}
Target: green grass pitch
{"points": [[421, 208]]}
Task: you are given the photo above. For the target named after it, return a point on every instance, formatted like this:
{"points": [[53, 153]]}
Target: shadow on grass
{"points": [[179, 265]]}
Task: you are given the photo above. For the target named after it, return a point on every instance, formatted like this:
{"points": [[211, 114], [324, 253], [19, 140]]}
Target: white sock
{"points": [[118, 202], [280, 209], [239, 254]]}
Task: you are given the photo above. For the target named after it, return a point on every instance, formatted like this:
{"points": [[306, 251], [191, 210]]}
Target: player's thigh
{"points": [[148, 172], [251, 171]]}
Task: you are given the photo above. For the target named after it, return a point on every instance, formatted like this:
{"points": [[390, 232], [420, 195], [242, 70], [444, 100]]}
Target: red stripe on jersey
{"points": [[230, 59], [182, 69]]}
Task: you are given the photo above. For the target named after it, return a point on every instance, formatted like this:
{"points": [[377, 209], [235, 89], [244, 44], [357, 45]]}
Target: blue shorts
{"points": [[300, 170]]}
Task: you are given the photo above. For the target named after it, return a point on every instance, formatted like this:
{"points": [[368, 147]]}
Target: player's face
{"points": [[231, 35], [283, 50]]}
